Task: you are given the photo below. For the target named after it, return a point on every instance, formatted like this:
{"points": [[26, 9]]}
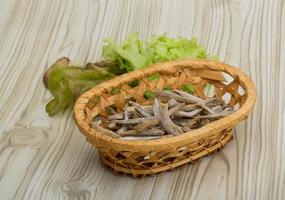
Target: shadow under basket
{"points": [[150, 157]]}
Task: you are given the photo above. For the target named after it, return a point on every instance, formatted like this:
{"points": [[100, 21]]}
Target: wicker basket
{"points": [[140, 158]]}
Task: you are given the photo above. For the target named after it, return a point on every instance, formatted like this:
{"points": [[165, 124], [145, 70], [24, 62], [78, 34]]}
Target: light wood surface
{"points": [[48, 158]]}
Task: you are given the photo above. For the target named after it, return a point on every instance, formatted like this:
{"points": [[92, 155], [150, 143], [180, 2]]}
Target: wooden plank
{"points": [[48, 158]]}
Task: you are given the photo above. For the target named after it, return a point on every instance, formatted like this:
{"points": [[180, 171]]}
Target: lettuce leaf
{"points": [[134, 53], [66, 83], [131, 54], [166, 49]]}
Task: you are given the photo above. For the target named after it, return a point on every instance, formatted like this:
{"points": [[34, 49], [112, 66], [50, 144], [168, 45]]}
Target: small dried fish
{"points": [[123, 128], [219, 115], [126, 113], [135, 114], [175, 109], [133, 121], [189, 107], [157, 107], [103, 130], [123, 132], [190, 97], [194, 99], [151, 132], [166, 122], [186, 129], [116, 116], [126, 118], [211, 102], [131, 109], [147, 124], [171, 103], [147, 109], [139, 108], [187, 114], [181, 122], [218, 109], [172, 95], [192, 122], [112, 125]]}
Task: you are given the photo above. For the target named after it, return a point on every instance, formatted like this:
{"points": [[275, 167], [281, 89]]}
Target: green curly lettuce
{"points": [[131, 54], [134, 53]]}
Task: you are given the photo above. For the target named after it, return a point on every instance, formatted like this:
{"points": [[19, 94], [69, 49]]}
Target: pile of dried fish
{"points": [[172, 113]]}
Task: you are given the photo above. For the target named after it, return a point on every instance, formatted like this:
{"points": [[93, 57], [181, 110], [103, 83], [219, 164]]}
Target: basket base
{"points": [[154, 171]]}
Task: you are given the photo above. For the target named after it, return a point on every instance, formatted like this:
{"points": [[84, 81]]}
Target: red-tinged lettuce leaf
{"points": [[66, 83], [63, 98], [62, 62]]}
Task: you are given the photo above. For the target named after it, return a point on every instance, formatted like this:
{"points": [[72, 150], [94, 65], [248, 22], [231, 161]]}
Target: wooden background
{"points": [[48, 158]]}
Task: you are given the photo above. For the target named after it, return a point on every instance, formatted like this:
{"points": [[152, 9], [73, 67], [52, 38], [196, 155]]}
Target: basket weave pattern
{"points": [[155, 156]]}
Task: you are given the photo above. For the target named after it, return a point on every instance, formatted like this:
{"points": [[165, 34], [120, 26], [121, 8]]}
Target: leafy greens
{"points": [[134, 53], [67, 82]]}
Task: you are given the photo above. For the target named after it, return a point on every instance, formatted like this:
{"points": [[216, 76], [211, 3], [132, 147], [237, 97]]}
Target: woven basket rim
{"points": [[167, 143]]}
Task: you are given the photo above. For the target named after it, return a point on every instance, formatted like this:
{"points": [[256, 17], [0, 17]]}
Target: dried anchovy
{"points": [[103, 130], [151, 132], [135, 114], [192, 122], [122, 129], [141, 110], [187, 114], [132, 121], [126, 118], [219, 115], [166, 122], [175, 108], [112, 125], [181, 122], [172, 95], [211, 102], [116, 116], [147, 124], [172, 103], [126, 113], [157, 107], [218, 109], [197, 100], [190, 97], [186, 129], [190, 107]]}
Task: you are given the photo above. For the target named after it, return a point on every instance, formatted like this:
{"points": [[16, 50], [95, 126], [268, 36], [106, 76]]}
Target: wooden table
{"points": [[48, 158]]}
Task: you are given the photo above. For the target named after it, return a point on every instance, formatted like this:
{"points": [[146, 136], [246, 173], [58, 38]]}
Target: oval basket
{"points": [[145, 157]]}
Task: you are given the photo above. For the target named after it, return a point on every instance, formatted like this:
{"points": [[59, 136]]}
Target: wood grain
{"points": [[48, 158]]}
